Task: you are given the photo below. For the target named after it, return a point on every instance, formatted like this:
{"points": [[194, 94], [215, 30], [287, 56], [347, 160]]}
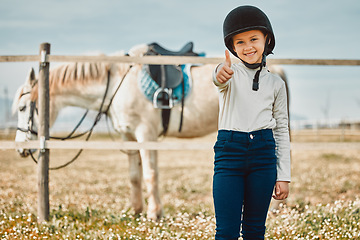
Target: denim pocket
{"points": [[219, 145], [270, 142]]}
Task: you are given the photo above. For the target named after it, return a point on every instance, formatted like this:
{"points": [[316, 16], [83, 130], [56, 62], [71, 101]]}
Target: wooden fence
{"points": [[181, 145], [44, 58], [173, 60]]}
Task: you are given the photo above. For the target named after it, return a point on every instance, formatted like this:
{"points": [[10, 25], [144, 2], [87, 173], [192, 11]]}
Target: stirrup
{"points": [[163, 98]]}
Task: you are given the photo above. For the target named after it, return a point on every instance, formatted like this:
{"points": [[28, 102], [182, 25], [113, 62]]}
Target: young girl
{"points": [[252, 151]]}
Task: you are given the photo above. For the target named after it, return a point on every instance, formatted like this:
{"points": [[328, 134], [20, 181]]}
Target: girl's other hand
{"points": [[281, 191]]}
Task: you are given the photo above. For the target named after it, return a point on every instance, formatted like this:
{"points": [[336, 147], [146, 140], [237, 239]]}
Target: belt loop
{"points": [[265, 133], [230, 136]]}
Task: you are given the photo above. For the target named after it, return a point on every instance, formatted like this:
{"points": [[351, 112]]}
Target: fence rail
{"points": [[172, 60], [185, 145]]}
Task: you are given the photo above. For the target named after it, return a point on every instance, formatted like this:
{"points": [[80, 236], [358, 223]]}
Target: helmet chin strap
{"points": [[255, 86], [262, 64]]}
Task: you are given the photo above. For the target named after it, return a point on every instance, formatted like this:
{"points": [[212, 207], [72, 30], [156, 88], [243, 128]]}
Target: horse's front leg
{"points": [[151, 177], [135, 172]]}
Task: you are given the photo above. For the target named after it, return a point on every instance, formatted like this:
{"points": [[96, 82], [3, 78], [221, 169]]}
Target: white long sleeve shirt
{"points": [[245, 110]]}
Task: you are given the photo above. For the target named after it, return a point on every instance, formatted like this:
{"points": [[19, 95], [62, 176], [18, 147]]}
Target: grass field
{"points": [[90, 198]]}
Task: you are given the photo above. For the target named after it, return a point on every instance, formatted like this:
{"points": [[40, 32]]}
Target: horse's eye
{"points": [[22, 108]]}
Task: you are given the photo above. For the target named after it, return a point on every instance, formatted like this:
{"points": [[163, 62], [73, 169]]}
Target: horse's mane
{"points": [[71, 74], [77, 74]]}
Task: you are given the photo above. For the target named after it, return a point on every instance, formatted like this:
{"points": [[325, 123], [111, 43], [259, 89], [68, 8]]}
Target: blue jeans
{"points": [[243, 182]]}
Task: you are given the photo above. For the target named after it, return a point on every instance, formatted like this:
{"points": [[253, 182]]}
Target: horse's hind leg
{"points": [[135, 171]]}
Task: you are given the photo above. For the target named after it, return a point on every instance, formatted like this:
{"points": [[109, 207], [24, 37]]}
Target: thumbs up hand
{"points": [[225, 73]]}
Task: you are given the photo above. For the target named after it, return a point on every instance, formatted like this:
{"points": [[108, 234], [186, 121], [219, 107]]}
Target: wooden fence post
{"points": [[43, 161]]}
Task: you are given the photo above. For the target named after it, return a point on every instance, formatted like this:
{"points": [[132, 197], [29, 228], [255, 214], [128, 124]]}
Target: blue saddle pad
{"points": [[148, 86]]}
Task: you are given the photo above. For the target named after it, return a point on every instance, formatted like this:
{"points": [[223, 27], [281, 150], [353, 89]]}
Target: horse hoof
{"points": [[156, 215]]}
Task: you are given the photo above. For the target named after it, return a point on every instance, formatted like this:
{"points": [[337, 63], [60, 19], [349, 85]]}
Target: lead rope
{"points": [[97, 119]]}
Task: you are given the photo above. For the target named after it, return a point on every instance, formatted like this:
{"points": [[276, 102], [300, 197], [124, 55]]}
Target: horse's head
{"points": [[26, 110]]}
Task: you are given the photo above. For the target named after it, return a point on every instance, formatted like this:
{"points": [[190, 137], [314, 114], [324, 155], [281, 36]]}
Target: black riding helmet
{"points": [[246, 18]]}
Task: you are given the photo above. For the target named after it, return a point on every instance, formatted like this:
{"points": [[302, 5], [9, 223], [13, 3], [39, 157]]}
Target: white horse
{"points": [[131, 113]]}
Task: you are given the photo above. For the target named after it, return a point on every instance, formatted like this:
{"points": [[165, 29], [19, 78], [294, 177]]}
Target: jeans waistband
{"points": [[237, 136]]}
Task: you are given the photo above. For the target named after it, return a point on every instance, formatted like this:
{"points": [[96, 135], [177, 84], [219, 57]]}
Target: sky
{"points": [[303, 29]]}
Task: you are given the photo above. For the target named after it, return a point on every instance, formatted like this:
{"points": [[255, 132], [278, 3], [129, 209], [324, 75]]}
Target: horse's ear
{"points": [[31, 79], [138, 50]]}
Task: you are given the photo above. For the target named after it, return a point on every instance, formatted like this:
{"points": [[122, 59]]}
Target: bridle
{"points": [[33, 109], [30, 123]]}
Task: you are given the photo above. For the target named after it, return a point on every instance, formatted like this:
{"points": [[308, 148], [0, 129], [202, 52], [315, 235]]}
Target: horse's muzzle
{"points": [[25, 152]]}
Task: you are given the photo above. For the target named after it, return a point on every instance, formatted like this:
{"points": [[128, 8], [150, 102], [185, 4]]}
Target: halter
{"points": [[30, 123], [33, 110]]}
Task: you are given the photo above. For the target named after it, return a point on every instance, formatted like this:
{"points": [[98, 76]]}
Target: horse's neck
{"points": [[89, 96]]}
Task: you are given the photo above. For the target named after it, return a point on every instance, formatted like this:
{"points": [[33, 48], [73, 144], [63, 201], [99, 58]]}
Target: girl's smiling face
{"points": [[249, 46]]}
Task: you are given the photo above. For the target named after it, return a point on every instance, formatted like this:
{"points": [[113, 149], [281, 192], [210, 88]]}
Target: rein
{"points": [[70, 136], [31, 119]]}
